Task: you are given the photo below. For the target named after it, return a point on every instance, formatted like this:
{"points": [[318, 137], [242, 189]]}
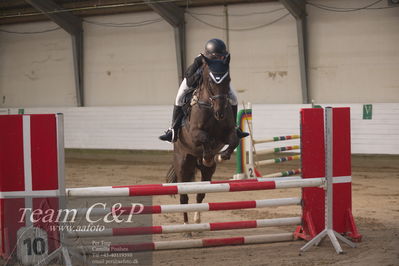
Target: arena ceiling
{"points": [[20, 11]]}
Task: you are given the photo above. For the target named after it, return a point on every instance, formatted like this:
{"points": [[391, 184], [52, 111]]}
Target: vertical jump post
{"points": [[328, 200]]}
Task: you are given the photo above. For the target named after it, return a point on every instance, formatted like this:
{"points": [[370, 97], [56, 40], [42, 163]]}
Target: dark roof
{"points": [[18, 11]]}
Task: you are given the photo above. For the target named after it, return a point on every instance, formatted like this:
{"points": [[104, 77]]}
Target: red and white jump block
{"points": [[313, 145], [31, 181]]}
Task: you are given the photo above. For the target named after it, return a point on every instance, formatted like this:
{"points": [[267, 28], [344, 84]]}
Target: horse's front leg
{"points": [[206, 175], [232, 141], [202, 139], [184, 200], [208, 156]]}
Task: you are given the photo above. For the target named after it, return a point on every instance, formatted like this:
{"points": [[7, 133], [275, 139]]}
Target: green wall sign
{"points": [[367, 111]]}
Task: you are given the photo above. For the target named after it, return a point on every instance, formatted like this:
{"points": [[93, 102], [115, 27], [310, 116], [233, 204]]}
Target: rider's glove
{"points": [[198, 61]]}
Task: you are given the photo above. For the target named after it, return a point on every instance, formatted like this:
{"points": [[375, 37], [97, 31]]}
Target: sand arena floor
{"points": [[375, 208]]}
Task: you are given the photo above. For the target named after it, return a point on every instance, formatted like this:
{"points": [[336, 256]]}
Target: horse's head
{"points": [[216, 81]]}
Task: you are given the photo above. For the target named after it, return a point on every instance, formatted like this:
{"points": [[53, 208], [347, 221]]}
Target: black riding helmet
{"points": [[215, 48]]}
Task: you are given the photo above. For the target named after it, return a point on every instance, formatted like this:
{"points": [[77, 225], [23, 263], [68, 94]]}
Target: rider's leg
{"points": [[234, 105], [171, 134]]}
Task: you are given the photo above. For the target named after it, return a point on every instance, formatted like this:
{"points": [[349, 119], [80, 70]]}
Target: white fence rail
{"points": [[138, 127]]}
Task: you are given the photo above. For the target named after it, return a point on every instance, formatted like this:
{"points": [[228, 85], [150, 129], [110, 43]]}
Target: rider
{"points": [[214, 49]]}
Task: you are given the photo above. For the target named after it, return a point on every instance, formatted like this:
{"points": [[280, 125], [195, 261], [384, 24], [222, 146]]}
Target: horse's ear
{"points": [[205, 58], [227, 59]]}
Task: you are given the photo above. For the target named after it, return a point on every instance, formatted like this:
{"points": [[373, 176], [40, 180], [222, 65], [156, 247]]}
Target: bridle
{"points": [[212, 97]]}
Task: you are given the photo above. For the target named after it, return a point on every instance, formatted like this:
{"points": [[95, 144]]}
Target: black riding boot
{"points": [[171, 134], [240, 134]]}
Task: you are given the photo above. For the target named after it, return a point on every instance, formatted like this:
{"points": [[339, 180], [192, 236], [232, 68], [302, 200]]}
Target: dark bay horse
{"points": [[209, 126]]}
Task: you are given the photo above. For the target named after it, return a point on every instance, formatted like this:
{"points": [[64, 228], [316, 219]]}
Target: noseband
{"points": [[215, 97]]}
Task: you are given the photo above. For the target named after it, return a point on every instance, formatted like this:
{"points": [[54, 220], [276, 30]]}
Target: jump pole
{"points": [[274, 139], [193, 243], [279, 149], [197, 207], [42, 130], [181, 228], [285, 173], [278, 160], [243, 117], [126, 191]]}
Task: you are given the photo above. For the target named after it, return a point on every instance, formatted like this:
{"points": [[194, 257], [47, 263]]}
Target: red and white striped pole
{"points": [[118, 191], [197, 207], [192, 243], [181, 228]]}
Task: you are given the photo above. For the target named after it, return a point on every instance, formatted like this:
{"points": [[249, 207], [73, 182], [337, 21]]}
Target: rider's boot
{"points": [[240, 133], [171, 134]]}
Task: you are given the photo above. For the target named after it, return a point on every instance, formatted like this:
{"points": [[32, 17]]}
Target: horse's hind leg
{"points": [[206, 175], [184, 200]]}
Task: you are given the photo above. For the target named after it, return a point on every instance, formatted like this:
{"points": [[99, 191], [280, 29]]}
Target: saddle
{"points": [[187, 98]]}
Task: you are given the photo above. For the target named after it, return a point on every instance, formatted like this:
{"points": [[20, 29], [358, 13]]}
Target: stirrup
{"points": [[174, 137], [241, 134]]}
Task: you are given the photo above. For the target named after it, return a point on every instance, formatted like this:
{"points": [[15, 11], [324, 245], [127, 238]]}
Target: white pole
{"points": [[250, 166]]}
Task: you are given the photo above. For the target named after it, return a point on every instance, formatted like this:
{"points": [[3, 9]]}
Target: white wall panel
{"points": [[354, 56], [380, 135], [139, 127], [198, 32], [36, 69], [274, 120], [112, 127], [265, 64], [130, 65], [264, 59]]}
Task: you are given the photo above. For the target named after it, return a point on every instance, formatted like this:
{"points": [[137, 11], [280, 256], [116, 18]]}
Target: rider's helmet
{"points": [[215, 49]]}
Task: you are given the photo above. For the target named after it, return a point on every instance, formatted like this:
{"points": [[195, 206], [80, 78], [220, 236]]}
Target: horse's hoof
{"points": [[187, 235], [218, 158], [207, 164], [197, 217]]}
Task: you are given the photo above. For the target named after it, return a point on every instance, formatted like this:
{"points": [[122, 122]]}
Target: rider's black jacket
{"points": [[193, 73]]}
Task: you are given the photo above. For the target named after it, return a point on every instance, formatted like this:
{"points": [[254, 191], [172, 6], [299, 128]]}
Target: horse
{"points": [[209, 126]]}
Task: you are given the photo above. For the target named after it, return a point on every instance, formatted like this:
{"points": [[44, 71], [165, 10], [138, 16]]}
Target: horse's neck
{"points": [[203, 93], [203, 88]]}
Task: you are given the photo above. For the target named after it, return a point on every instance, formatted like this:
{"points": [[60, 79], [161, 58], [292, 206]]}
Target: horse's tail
{"points": [[171, 176]]}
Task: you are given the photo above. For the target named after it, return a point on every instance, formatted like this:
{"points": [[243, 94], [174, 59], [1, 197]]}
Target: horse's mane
{"points": [[204, 80]]}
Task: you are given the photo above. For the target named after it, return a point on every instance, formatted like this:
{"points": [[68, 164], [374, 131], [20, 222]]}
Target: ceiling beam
{"points": [[174, 15], [69, 22], [170, 12], [297, 8], [73, 25], [77, 48], [302, 34]]}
